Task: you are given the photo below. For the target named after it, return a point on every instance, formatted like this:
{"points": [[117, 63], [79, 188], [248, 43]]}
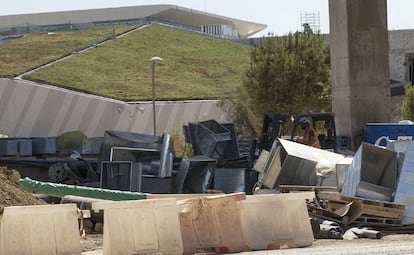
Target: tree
{"points": [[408, 103], [287, 75]]}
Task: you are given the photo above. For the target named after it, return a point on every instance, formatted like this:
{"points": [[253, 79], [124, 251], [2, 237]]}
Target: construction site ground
{"points": [[389, 244], [12, 194]]}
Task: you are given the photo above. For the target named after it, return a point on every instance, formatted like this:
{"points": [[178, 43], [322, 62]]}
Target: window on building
{"points": [[409, 65]]}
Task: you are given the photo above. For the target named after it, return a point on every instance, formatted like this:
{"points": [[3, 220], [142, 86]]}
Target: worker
{"points": [[310, 137]]}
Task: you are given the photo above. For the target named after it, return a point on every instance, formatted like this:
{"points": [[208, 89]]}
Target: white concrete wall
{"points": [[28, 109]]}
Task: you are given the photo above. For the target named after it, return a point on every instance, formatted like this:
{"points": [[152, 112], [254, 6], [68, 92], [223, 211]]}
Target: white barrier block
{"points": [[212, 223], [276, 221], [40, 230], [141, 227]]}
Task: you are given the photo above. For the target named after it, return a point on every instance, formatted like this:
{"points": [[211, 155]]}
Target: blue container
{"points": [[393, 131]]}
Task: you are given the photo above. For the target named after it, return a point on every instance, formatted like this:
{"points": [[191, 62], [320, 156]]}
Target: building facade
{"points": [[170, 14]]}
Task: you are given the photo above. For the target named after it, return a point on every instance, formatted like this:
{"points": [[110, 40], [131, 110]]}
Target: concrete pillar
{"points": [[359, 64]]}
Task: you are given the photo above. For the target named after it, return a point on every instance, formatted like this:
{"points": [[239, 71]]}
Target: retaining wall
{"points": [[29, 109]]}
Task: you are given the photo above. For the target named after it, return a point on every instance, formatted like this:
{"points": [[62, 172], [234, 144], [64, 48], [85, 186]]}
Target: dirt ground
{"points": [[389, 244], [11, 194]]}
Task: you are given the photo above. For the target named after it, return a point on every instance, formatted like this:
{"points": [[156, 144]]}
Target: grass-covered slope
{"points": [[194, 67], [37, 49]]}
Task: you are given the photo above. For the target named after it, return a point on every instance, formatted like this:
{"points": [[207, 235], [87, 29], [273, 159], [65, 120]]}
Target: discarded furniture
{"points": [[121, 175], [194, 175], [136, 162], [208, 138], [154, 152]]}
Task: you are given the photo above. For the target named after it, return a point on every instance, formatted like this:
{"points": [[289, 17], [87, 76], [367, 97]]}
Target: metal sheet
{"points": [[376, 167], [342, 170], [405, 187], [259, 165], [406, 178], [372, 191], [309, 153]]}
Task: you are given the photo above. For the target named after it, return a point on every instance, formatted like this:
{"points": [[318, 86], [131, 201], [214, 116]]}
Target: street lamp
{"points": [[154, 61]]}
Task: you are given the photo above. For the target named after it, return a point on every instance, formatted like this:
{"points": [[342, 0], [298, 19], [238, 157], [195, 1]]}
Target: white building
{"points": [[178, 16]]}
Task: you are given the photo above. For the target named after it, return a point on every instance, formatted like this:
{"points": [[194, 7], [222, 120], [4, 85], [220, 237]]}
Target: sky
{"points": [[280, 16]]}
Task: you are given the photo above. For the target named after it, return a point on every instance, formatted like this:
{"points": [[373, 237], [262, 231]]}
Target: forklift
{"points": [[289, 127]]}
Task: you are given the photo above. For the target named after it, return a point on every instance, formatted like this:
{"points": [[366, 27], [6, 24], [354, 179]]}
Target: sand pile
{"points": [[11, 193]]}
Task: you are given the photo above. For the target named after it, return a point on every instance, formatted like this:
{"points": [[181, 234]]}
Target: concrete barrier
{"points": [[276, 221], [39, 230], [141, 227], [212, 224]]}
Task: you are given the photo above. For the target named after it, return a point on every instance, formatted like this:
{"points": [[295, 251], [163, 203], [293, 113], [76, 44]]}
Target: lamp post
{"points": [[154, 61]]}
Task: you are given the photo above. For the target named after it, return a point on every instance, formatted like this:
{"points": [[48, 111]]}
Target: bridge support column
{"points": [[359, 63]]}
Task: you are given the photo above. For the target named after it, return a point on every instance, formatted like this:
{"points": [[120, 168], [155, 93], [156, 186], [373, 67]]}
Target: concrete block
{"points": [[38, 230], [141, 227]]}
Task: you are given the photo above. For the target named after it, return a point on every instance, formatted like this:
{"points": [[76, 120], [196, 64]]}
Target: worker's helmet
{"points": [[304, 120]]}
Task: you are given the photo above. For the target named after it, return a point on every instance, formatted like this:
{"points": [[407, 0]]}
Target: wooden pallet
{"points": [[377, 222], [367, 219], [319, 212], [298, 188], [371, 208]]}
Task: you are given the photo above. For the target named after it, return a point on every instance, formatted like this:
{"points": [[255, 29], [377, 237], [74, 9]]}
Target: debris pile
{"points": [[370, 191], [370, 213], [11, 194]]}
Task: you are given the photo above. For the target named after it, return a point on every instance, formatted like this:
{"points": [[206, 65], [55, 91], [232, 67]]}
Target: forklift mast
{"points": [[274, 126]]}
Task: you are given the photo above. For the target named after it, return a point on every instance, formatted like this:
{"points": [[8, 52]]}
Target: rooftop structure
{"points": [[175, 15]]}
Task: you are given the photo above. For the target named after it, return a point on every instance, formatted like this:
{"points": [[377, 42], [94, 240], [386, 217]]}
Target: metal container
{"points": [[372, 174], [293, 163]]}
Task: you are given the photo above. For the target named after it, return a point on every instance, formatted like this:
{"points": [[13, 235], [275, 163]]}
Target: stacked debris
{"points": [[11, 193], [234, 156], [370, 190]]}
